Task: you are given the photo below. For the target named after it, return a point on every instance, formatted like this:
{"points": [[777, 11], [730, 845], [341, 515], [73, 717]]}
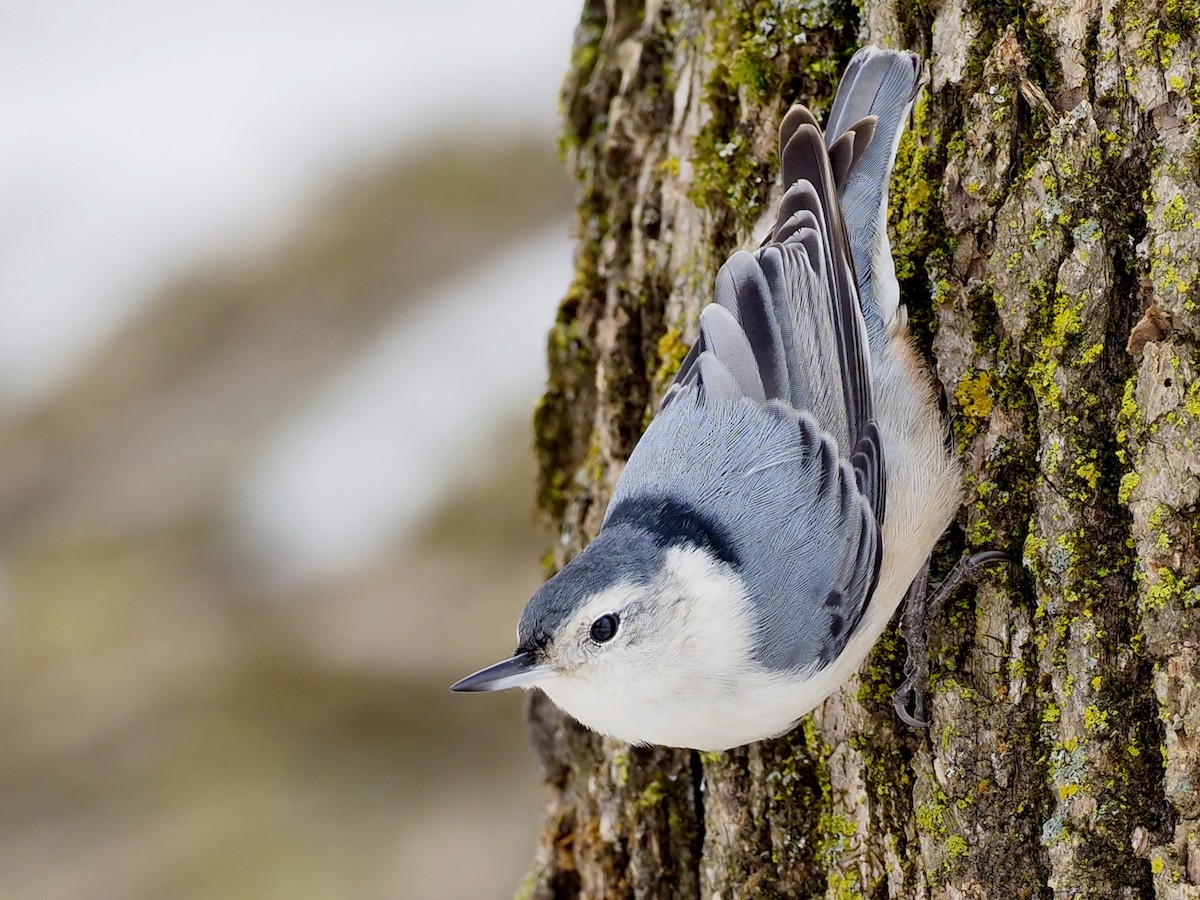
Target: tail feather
{"points": [[879, 85], [875, 83]]}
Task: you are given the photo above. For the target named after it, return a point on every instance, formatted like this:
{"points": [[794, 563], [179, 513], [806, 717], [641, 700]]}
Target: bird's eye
{"points": [[604, 628]]}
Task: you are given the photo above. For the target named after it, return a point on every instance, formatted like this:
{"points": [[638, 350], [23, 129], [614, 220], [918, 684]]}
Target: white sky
{"points": [[139, 137]]}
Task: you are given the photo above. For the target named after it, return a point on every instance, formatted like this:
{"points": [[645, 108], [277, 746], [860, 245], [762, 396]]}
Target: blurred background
{"points": [[275, 279]]}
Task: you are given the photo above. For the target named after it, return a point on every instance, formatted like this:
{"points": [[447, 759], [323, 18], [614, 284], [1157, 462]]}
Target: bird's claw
{"points": [[919, 611], [900, 700]]}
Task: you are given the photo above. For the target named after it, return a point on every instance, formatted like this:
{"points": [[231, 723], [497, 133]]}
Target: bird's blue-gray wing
{"points": [[770, 423], [866, 121], [764, 488]]}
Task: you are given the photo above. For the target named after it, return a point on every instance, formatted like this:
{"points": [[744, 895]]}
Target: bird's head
{"points": [[635, 638]]}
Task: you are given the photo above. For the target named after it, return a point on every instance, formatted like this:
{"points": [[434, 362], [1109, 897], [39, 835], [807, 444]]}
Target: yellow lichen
{"points": [[973, 395], [1129, 483]]}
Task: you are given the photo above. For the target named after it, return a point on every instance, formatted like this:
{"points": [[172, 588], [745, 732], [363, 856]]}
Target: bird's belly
{"points": [[718, 717]]}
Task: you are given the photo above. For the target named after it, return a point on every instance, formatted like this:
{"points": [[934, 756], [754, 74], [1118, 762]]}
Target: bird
{"points": [[792, 485]]}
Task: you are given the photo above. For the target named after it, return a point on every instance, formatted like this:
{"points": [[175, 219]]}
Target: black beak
{"points": [[517, 671]]}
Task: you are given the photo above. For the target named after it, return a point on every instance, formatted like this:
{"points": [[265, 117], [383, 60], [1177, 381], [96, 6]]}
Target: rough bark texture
{"points": [[1048, 247]]}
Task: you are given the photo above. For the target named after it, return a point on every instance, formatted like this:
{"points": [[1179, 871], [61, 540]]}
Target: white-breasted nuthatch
{"points": [[792, 485]]}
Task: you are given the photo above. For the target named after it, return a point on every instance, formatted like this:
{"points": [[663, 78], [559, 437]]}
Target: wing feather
{"points": [[733, 348], [718, 382]]}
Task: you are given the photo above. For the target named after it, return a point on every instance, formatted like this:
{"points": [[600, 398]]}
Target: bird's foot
{"points": [[920, 610]]}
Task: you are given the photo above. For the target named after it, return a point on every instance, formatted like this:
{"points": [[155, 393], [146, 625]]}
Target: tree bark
{"points": [[1046, 237]]}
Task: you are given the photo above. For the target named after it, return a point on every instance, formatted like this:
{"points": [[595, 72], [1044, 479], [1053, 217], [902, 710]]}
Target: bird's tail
{"points": [[879, 85]]}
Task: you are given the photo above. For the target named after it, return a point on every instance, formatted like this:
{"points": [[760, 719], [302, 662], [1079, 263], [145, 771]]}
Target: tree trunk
{"points": [[1049, 253]]}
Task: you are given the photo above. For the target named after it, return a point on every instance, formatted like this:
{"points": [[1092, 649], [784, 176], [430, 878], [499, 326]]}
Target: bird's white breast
{"points": [[701, 687]]}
